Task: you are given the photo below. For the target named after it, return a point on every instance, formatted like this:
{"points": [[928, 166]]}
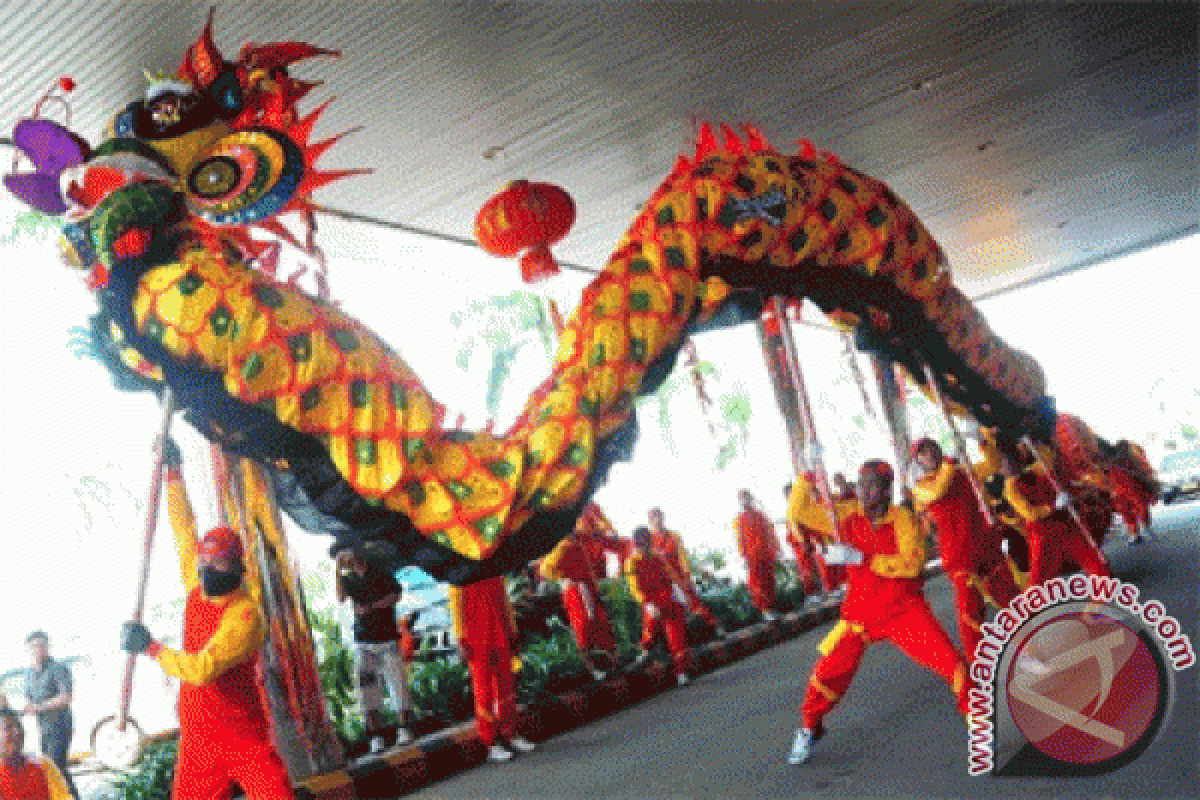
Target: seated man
{"points": [[224, 729], [884, 600], [25, 777]]}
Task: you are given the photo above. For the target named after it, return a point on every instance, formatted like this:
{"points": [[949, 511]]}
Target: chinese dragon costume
{"points": [[160, 215]]}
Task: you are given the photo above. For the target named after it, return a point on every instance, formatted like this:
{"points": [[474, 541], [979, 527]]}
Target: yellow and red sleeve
{"points": [[909, 558], [183, 525], [631, 577], [804, 511], [1028, 511], [55, 783], [454, 601], [929, 490], [679, 558], [238, 636], [551, 564]]}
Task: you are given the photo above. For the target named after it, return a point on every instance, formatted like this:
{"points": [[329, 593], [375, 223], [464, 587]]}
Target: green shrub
{"points": [[335, 664], [151, 777], [732, 607], [441, 687], [550, 665]]}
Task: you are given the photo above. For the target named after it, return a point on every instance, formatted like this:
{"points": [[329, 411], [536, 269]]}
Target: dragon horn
{"points": [[202, 62]]}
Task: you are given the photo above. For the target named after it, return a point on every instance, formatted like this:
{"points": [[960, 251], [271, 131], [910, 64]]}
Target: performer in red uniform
{"points": [[1052, 534], [224, 733], [599, 538], [803, 541], [1130, 500], [969, 547], [24, 777], [885, 553], [484, 628], [757, 543], [651, 584], [669, 545], [570, 563]]}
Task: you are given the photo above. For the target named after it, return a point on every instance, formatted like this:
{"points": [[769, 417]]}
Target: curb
{"points": [[456, 749]]}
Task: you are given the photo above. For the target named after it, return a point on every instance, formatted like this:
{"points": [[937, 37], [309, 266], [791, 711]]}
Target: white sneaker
{"points": [[403, 736], [598, 675], [498, 754], [521, 744], [801, 746], [378, 745], [682, 679]]}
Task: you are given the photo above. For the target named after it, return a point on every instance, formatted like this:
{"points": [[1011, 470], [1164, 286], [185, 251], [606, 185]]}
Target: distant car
{"points": [[1180, 475]]}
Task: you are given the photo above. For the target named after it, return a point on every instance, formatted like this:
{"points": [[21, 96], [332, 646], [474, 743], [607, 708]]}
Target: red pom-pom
{"points": [[66, 83]]}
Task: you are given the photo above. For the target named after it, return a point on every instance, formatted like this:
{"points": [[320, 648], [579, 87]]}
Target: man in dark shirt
{"points": [[375, 592], [48, 697]]}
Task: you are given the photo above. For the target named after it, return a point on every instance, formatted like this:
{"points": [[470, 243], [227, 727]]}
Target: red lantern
{"points": [[526, 216]]}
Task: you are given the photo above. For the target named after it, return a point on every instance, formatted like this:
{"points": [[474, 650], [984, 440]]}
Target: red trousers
{"points": [[1052, 541], [210, 760], [914, 630], [696, 605], [760, 580], [969, 601], [588, 618], [673, 622], [494, 688]]}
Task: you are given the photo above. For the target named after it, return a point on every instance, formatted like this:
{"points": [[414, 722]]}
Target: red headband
{"points": [[221, 542]]}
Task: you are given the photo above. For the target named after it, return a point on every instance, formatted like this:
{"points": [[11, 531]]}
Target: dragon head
{"points": [[211, 152]]}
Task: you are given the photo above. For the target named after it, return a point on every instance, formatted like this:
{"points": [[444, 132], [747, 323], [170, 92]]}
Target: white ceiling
{"points": [[1032, 138]]}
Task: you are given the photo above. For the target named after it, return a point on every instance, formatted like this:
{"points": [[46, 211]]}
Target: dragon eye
{"points": [[247, 177], [215, 177]]}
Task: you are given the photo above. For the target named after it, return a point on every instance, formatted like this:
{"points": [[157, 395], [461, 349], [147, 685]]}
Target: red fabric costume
{"points": [[1130, 500], [598, 538], [807, 514], [1052, 533], [484, 627], [224, 733], [757, 544], [669, 546], [883, 601], [570, 562], [650, 583], [32, 779], [970, 549]]}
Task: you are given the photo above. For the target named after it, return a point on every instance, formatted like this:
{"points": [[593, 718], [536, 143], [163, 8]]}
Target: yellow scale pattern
{"points": [[323, 373]]}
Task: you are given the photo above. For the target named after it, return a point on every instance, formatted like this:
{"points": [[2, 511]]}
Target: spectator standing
{"points": [[48, 697], [24, 777], [374, 592]]}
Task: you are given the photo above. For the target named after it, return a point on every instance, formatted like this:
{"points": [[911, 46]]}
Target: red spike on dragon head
{"points": [[218, 149]]}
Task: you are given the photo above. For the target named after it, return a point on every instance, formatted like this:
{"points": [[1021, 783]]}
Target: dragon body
{"points": [[161, 213]]}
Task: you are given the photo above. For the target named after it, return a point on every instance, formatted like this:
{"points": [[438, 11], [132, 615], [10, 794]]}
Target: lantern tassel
{"points": [[538, 264]]}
